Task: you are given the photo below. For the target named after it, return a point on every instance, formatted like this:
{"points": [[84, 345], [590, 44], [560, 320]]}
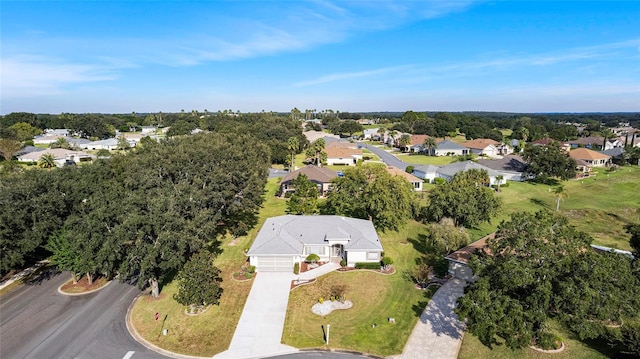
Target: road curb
{"points": [[83, 293], [137, 337]]}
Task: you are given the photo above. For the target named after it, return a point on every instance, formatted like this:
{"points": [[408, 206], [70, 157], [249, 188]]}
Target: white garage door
{"points": [[275, 264]]}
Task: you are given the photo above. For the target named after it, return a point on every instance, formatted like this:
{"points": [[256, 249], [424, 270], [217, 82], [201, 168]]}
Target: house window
{"points": [[373, 255], [319, 250]]}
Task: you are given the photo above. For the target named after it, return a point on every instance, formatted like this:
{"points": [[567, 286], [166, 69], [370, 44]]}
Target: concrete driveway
{"points": [[438, 334], [259, 330]]}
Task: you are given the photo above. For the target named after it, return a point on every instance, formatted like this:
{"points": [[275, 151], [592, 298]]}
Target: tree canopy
{"points": [[370, 192], [199, 281], [465, 198], [539, 267], [549, 161], [305, 198]]}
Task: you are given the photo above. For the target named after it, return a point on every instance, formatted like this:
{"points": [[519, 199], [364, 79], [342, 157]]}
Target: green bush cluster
{"points": [[368, 265], [296, 268]]}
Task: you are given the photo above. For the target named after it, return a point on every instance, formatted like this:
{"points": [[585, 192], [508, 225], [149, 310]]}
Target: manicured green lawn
{"points": [[375, 298], [211, 332], [472, 348], [600, 206]]}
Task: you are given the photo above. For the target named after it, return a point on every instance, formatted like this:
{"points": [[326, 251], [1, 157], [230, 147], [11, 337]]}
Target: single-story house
{"points": [[29, 149], [314, 135], [60, 156], [547, 141], [343, 156], [108, 144], [415, 181], [149, 129], [447, 172], [592, 158], [459, 260], [134, 138], [57, 131], [426, 172], [591, 142], [615, 152], [483, 146], [286, 240], [77, 142], [340, 144], [46, 139], [367, 134], [512, 167], [321, 176], [450, 148]]}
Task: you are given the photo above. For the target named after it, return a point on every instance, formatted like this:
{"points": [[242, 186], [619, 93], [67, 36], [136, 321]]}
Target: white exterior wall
{"points": [[449, 152], [341, 161], [354, 257]]}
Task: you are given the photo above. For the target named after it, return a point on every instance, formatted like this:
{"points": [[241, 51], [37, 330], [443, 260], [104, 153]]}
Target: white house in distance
{"points": [[108, 144], [483, 146], [60, 156], [450, 148], [415, 181], [426, 172], [447, 172], [286, 240], [343, 156]]}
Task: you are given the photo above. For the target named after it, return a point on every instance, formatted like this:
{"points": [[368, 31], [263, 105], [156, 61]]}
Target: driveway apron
{"points": [[438, 334], [259, 330]]}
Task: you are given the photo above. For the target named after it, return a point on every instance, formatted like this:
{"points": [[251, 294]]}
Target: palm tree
{"points": [[499, 181], [430, 144], [405, 141], [61, 143], [47, 161], [561, 194], [292, 145]]}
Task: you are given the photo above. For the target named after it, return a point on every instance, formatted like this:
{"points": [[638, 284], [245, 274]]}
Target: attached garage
{"points": [[273, 264]]}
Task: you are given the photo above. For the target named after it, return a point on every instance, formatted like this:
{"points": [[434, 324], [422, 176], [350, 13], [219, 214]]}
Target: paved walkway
{"points": [[259, 331], [438, 333], [320, 271]]}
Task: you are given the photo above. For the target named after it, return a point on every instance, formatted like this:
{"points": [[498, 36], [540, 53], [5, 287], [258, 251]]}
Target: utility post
{"points": [[328, 327]]}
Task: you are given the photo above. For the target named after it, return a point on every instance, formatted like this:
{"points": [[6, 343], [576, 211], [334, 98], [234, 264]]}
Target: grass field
{"points": [[472, 348], [600, 205], [211, 332]]}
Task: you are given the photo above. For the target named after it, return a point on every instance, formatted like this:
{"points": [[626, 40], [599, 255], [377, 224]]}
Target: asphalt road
{"points": [[38, 322], [386, 157]]}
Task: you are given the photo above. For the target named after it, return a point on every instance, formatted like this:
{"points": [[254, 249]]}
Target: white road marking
{"points": [[128, 355]]}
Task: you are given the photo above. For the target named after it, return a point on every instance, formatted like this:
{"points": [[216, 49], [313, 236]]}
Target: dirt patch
{"points": [[83, 285]]}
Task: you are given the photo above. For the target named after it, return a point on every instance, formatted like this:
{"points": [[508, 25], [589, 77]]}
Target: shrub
{"points": [[368, 265], [312, 258], [439, 180], [252, 269], [548, 341], [387, 261], [296, 268], [409, 169], [343, 263]]}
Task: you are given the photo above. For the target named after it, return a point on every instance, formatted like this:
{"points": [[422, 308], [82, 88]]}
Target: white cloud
{"points": [[29, 75]]}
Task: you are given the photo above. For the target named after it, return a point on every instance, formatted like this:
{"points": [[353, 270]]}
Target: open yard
{"points": [[600, 205]]}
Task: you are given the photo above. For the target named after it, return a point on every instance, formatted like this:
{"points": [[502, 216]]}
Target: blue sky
{"points": [[150, 56]]}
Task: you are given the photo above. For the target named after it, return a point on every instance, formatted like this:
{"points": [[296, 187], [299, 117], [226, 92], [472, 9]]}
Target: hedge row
{"points": [[368, 265]]}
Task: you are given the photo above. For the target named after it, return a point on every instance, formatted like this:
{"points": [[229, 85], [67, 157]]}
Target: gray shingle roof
{"points": [[512, 163], [452, 169], [288, 234], [449, 145]]}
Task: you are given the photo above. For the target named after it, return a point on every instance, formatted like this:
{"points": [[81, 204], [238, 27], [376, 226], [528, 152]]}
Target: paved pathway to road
{"points": [[438, 334], [259, 331]]}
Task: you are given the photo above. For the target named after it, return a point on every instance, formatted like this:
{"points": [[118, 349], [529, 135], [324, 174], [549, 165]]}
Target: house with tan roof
{"points": [[321, 176], [589, 157], [337, 156], [415, 181], [483, 146]]}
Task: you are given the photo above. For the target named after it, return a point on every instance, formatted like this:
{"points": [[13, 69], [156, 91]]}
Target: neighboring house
{"points": [[415, 181], [286, 240], [28, 149], [321, 176], [547, 141], [343, 156], [459, 260], [340, 144], [108, 144], [591, 142], [416, 143], [426, 172], [60, 156], [367, 134], [77, 142], [134, 138], [314, 135], [483, 147], [450, 148], [149, 129], [615, 152], [447, 172], [511, 167], [46, 139], [57, 132], [591, 158]]}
